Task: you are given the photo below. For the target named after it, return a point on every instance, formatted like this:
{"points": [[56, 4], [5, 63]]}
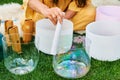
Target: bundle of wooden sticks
{"points": [[12, 34]]}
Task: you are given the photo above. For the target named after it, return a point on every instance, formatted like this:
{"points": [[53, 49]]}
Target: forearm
{"points": [[37, 5], [69, 14]]}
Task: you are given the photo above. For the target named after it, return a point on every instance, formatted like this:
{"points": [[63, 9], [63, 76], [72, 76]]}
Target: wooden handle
{"points": [[28, 30]]}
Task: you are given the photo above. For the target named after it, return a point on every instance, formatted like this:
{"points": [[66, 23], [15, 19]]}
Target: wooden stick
{"points": [[15, 39], [8, 24]]}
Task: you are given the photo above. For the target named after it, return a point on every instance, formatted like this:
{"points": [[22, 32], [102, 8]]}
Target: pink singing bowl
{"points": [[108, 13]]}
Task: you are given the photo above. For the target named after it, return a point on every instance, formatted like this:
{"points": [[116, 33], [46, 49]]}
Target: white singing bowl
{"points": [[108, 13], [103, 40], [45, 30]]}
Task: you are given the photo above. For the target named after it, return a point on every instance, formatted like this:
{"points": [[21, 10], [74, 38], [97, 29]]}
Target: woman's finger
{"points": [[60, 15], [52, 19]]}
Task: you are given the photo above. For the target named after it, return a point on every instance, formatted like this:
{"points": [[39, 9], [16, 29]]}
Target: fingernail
{"points": [[63, 13]]}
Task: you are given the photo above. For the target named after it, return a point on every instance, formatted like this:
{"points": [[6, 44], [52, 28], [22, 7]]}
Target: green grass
{"points": [[10, 1], [44, 71]]}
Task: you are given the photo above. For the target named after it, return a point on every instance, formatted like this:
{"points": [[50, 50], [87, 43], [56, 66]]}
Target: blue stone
{"points": [[1, 50]]}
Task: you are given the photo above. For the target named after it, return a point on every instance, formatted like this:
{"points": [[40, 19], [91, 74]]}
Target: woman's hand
{"points": [[54, 14]]}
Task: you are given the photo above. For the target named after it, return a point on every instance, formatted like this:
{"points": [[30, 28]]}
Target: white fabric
{"points": [[11, 11]]}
